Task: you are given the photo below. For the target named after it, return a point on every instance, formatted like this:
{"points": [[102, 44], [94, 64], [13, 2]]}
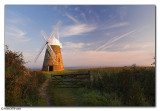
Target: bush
{"points": [[21, 86]]}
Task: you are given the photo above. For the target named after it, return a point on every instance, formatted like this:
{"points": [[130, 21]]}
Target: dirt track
{"points": [[43, 92]]}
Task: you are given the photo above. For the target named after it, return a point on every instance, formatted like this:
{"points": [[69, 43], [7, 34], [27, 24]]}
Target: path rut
{"points": [[43, 92]]}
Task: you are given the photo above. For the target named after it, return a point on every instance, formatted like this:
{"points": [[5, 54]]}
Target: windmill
{"points": [[53, 57]]}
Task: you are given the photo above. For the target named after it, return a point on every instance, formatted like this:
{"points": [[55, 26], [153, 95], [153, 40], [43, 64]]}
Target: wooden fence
{"points": [[71, 80]]}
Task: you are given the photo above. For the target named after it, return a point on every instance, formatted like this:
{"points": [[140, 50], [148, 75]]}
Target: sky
{"points": [[91, 35]]}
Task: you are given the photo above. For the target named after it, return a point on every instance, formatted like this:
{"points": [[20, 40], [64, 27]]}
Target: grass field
{"points": [[120, 86]]}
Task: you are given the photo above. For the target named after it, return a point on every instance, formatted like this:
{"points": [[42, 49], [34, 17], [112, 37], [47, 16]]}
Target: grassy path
{"points": [[62, 96], [43, 93]]}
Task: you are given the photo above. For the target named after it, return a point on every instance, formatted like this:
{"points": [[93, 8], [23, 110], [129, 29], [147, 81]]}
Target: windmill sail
{"points": [[44, 35], [54, 30], [40, 52]]}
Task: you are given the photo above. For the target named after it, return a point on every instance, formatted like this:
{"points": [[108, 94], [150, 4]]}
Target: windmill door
{"points": [[50, 68]]}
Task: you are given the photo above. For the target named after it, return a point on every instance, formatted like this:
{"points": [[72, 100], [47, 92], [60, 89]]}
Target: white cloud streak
{"points": [[15, 23], [116, 25], [16, 34], [72, 18], [145, 46], [114, 39], [77, 29], [71, 45]]}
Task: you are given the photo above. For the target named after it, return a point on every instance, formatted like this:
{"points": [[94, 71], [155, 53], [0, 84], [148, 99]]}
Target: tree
{"points": [[153, 61]]}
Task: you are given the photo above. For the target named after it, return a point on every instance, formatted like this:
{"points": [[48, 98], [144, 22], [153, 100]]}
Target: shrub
{"points": [[20, 84]]}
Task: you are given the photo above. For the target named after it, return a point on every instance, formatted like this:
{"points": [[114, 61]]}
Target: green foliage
{"points": [[125, 86], [97, 98], [21, 85], [136, 86]]}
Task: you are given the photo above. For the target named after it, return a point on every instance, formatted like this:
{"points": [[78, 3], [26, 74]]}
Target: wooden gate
{"points": [[71, 80]]}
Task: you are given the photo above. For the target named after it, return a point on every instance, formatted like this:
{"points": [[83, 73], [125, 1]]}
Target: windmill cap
{"points": [[54, 41]]}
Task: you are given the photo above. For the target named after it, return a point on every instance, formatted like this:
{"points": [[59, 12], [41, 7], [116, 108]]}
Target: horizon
{"points": [[90, 67], [101, 35]]}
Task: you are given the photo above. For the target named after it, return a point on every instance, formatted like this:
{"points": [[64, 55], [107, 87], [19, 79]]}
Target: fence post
{"points": [[89, 78], [89, 75]]}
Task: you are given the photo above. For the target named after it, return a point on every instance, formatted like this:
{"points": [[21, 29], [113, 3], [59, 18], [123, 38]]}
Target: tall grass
{"points": [[135, 86]]}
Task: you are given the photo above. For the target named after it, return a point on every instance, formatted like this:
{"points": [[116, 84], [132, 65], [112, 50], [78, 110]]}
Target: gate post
{"points": [[89, 75], [89, 78]]}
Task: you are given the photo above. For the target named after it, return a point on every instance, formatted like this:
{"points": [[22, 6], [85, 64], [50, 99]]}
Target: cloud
{"points": [[105, 58], [114, 39], [15, 34], [107, 33], [126, 46], [14, 25], [71, 45], [72, 18], [77, 29], [145, 46], [117, 25]]}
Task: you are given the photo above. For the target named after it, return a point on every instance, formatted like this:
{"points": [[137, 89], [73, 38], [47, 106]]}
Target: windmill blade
{"points": [[54, 29], [40, 52], [51, 52], [58, 35], [44, 35]]}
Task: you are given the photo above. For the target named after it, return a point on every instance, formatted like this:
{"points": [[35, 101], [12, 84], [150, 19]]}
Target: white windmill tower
{"points": [[53, 57]]}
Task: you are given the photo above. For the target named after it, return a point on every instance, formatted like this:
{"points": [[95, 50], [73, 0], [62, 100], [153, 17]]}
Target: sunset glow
{"points": [[91, 35]]}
